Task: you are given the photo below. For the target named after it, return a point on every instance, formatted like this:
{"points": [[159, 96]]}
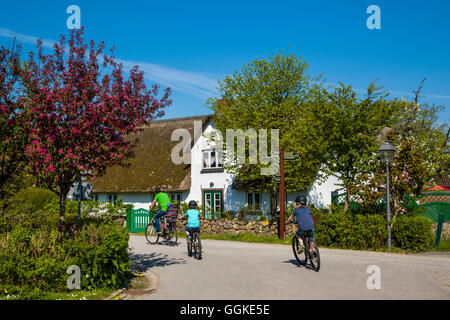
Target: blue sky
{"points": [[189, 45]]}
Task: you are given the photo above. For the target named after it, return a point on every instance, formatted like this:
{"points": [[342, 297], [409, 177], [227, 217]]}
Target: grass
{"points": [[96, 294], [139, 282], [444, 246]]}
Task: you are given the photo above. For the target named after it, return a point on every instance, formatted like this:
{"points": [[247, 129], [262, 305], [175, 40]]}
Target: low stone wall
{"points": [[445, 235], [235, 226]]}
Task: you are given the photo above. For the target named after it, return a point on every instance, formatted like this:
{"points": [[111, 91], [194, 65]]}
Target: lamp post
{"points": [[387, 152]]}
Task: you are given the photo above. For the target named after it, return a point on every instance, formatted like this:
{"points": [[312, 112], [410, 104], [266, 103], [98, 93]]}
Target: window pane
{"points": [[257, 201], [205, 160], [249, 199], [219, 159], [213, 160], [208, 201], [216, 202]]}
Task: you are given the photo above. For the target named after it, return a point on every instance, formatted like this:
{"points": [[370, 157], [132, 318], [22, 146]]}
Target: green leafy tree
{"points": [[421, 155], [273, 93], [12, 137], [353, 125]]}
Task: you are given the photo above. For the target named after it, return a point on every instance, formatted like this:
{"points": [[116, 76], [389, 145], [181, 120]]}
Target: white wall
{"points": [[199, 180], [320, 194], [138, 200]]}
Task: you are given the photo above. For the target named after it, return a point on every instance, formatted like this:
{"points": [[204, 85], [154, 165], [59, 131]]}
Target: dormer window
{"points": [[211, 160]]}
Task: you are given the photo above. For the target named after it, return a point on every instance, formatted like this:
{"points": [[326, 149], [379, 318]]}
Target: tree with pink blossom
{"points": [[78, 109]]}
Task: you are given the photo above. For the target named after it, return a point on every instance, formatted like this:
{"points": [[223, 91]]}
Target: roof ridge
{"points": [[184, 118]]}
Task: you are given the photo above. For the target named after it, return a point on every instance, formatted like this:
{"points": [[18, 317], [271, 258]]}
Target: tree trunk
{"points": [[347, 200], [62, 208]]}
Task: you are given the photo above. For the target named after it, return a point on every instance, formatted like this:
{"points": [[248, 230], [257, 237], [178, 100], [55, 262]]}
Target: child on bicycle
{"points": [[193, 215], [304, 219], [164, 203]]}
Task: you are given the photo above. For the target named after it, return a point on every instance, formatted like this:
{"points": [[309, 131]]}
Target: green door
{"points": [[212, 203]]}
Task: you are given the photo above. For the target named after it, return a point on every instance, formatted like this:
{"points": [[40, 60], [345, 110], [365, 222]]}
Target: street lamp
{"points": [[387, 152]]}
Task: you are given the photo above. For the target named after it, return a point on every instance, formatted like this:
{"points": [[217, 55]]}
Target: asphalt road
{"points": [[253, 271]]}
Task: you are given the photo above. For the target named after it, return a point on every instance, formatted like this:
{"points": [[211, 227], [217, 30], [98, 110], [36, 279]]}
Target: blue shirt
{"points": [[304, 219], [193, 218]]}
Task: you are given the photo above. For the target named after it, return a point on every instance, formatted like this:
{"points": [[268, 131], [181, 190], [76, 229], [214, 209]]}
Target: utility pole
{"points": [[282, 204]]}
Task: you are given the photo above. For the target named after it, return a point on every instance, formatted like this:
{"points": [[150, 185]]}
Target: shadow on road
{"points": [[295, 262], [143, 262]]}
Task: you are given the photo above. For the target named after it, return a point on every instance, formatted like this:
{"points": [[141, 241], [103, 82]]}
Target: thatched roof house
{"points": [[152, 165]]}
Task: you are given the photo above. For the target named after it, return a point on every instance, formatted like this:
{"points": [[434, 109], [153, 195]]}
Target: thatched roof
{"points": [[152, 165]]}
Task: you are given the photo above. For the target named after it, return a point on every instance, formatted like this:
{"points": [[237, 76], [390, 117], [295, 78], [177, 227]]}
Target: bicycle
{"points": [[305, 254], [194, 244], [168, 226]]}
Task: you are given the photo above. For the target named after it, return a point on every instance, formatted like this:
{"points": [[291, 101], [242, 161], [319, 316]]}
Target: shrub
{"points": [[333, 230], [33, 260], [31, 200], [338, 229], [412, 232], [101, 252], [369, 231], [104, 209]]}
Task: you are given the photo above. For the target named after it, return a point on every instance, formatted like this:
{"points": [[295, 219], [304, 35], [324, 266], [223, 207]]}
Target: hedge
{"points": [[412, 233], [342, 230], [369, 231]]}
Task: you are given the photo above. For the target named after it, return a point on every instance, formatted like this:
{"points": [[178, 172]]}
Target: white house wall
{"points": [[138, 200], [320, 194], [207, 180]]}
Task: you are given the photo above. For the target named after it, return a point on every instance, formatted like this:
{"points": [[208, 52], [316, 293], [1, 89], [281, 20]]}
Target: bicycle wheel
{"points": [[172, 234], [197, 245], [314, 256], [150, 233], [300, 255], [189, 245]]}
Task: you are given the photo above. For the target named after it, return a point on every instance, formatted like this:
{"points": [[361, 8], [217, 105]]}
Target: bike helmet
{"points": [[157, 190], [301, 200], [192, 204]]}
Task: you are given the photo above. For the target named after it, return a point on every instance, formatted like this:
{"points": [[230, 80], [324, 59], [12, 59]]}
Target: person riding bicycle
{"points": [[193, 215], [304, 219], [164, 203]]}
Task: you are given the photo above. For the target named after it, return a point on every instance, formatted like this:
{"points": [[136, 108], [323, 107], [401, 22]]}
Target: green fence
{"points": [[138, 219], [437, 209], [435, 204]]}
